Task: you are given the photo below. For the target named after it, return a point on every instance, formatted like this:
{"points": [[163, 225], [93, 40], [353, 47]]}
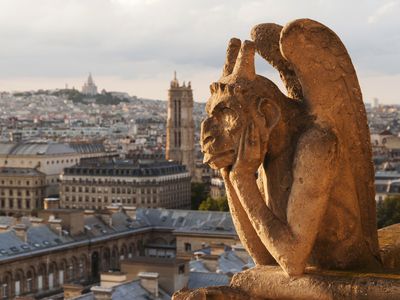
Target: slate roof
{"points": [[41, 238], [6, 171], [189, 220], [129, 291], [47, 148], [201, 279]]}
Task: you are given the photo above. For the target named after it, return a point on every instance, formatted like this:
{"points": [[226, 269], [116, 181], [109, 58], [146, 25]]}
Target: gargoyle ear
{"points": [[270, 111]]}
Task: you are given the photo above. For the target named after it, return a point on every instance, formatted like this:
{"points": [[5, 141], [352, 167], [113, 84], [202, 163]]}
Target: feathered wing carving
{"points": [[266, 38], [332, 95]]}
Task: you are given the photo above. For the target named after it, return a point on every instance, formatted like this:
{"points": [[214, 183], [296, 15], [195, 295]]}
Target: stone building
{"points": [[38, 255], [180, 125], [49, 158], [21, 190], [89, 88], [97, 184]]}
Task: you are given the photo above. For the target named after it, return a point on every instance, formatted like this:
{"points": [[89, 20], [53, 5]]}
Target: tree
{"points": [[388, 211], [198, 194], [210, 204]]}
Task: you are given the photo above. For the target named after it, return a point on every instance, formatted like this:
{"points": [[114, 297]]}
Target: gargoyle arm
{"points": [[313, 170], [248, 236]]}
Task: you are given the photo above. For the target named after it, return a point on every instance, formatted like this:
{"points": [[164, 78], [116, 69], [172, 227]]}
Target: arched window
{"points": [[123, 252], [29, 280], [115, 258], [6, 286], [41, 277], [52, 275], [82, 266], [18, 282], [106, 259], [73, 268], [61, 272]]}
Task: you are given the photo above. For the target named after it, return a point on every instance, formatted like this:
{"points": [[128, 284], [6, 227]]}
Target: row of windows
{"points": [[18, 203], [20, 193], [105, 199], [52, 162], [19, 182], [125, 190]]}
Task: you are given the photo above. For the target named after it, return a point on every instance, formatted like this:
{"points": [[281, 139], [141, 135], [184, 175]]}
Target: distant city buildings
{"points": [[65, 251], [21, 190], [180, 125], [89, 88], [96, 184], [48, 158]]}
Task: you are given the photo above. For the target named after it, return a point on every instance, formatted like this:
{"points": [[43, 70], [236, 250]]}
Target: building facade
{"points": [[38, 255], [49, 158], [96, 185], [21, 190], [180, 125]]}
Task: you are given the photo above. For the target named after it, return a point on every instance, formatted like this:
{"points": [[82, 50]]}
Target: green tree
{"points": [[388, 211], [198, 194], [210, 204]]}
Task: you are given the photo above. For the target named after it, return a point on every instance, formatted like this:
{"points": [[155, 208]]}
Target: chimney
{"points": [[88, 212], [130, 211], [149, 281], [55, 225], [4, 227], [102, 293], [51, 203], [72, 291], [20, 231], [111, 279], [36, 221]]}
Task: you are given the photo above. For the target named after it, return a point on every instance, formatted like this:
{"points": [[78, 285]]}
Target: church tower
{"points": [[180, 125], [89, 88]]}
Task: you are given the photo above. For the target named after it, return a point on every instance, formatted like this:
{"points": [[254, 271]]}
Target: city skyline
{"points": [[53, 43]]}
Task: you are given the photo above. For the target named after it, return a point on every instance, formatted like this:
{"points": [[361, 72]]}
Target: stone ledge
{"points": [[270, 282]]}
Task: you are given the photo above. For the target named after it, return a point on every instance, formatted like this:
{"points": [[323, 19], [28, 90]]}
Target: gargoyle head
{"points": [[238, 99]]}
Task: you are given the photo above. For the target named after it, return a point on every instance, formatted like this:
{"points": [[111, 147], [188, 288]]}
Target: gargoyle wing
{"points": [[266, 39], [332, 94]]}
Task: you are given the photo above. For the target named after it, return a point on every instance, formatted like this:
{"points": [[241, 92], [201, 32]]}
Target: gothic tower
{"points": [[180, 125]]}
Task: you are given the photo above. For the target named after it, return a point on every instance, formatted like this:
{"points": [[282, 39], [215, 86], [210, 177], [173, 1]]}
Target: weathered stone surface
{"points": [[213, 293], [273, 283], [389, 242], [313, 202]]}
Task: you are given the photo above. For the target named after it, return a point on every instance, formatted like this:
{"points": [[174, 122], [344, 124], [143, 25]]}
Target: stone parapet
{"points": [[272, 283]]}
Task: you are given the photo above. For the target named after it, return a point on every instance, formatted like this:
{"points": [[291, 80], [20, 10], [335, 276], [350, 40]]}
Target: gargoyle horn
{"points": [[244, 67], [231, 56]]}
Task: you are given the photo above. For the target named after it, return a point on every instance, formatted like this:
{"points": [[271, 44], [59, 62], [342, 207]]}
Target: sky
{"points": [[134, 46]]}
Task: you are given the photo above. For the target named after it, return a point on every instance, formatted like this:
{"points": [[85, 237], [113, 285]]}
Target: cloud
{"points": [[134, 45], [385, 9]]}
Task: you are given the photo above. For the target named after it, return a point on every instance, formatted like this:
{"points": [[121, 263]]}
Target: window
{"points": [[181, 269], [188, 247]]}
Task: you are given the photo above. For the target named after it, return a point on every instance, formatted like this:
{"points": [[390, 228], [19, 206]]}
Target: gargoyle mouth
{"points": [[209, 157]]}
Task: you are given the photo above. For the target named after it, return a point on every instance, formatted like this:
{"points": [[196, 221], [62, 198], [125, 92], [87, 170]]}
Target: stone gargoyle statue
{"points": [[298, 167]]}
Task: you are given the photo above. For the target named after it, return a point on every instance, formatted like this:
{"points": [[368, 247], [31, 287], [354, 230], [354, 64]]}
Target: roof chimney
{"points": [[149, 281], [36, 221], [102, 293], [51, 203], [55, 225], [20, 231], [4, 227]]}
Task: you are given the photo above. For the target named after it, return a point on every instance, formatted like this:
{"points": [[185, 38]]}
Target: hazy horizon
{"points": [[134, 46]]}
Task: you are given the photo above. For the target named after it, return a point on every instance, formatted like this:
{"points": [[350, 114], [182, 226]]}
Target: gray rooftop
{"points": [[129, 291], [6, 171], [47, 148], [40, 237], [200, 279]]}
